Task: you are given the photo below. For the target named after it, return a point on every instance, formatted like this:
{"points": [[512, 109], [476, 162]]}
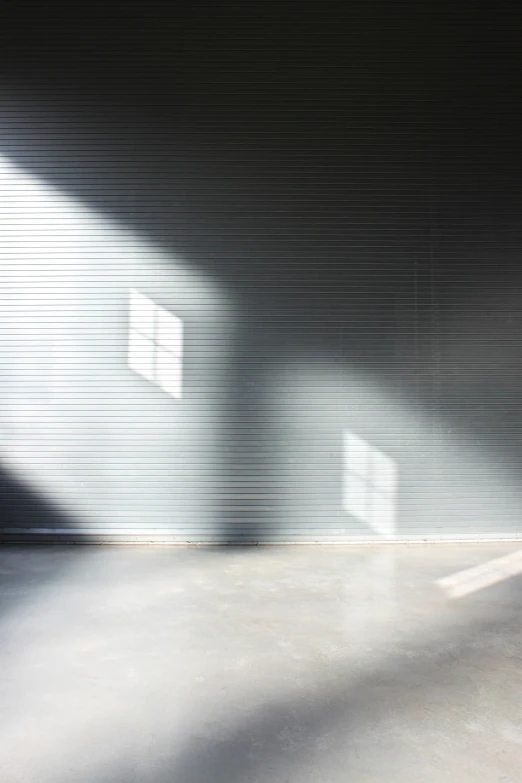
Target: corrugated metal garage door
{"points": [[145, 399], [241, 330]]}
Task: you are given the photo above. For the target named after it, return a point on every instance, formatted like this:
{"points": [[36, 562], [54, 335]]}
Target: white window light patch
{"points": [[370, 485], [155, 348]]}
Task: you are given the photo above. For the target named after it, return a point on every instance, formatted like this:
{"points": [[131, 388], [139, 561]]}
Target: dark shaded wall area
{"points": [[332, 208]]}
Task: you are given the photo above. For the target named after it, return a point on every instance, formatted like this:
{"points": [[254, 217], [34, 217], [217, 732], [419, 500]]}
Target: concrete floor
{"points": [[266, 664]]}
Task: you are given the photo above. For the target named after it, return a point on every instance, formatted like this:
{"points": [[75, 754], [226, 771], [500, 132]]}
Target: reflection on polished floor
{"points": [[259, 664]]}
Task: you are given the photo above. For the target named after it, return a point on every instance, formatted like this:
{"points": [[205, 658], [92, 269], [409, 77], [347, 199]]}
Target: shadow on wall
{"points": [[337, 279], [25, 572], [249, 487], [23, 507]]}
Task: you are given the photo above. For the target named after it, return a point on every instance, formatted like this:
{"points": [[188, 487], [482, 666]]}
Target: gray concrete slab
{"points": [[263, 664]]}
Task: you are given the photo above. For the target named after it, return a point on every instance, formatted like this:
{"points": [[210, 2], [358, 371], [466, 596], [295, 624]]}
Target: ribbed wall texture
{"points": [[259, 280]]}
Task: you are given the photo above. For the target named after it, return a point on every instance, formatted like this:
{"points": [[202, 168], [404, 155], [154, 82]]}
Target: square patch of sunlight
{"points": [[369, 484], [155, 348]]}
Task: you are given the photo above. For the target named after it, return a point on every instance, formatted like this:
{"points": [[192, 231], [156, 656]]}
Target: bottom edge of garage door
{"points": [[243, 535]]}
